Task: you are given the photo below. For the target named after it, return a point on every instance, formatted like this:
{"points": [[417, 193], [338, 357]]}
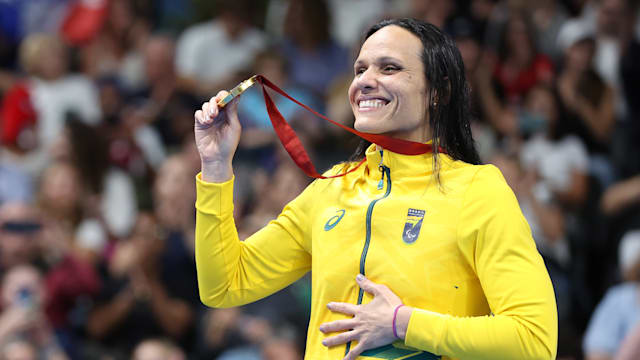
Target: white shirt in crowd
{"points": [[206, 52], [555, 161]]}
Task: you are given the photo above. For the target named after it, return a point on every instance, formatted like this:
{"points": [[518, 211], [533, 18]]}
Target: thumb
{"points": [[366, 284]]}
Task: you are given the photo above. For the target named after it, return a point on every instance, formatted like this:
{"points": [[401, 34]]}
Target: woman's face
{"points": [[389, 93]]}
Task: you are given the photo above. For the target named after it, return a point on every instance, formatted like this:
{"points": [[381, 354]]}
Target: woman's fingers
{"points": [[344, 308], [338, 325], [340, 339], [367, 285], [209, 110], [199, 117]]}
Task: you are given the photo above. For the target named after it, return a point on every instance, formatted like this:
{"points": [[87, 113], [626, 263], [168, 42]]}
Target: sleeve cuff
{"points": [[425, 330], [214, 198]]}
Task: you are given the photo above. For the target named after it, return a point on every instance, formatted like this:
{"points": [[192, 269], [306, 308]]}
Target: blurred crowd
{"points": [[97, 160]]}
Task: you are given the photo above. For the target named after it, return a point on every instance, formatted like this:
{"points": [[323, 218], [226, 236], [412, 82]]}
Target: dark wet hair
{"points": [[445, 75]]}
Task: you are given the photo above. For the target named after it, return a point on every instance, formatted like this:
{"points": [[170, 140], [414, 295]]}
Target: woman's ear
{"points": [[434, 100]]}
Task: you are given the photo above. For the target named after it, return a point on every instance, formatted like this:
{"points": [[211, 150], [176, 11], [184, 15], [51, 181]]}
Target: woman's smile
{"points": [[371, 104]]}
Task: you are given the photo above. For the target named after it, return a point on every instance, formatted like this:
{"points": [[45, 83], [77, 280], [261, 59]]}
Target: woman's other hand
{"points": [[372, 323], [217, 133]]}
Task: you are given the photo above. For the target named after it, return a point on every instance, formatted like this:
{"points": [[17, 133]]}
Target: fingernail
{"points": [[329, 305], [324, 343], [359, 277]]}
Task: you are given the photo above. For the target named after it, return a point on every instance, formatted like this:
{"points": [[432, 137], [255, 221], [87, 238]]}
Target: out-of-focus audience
{"points": [[97, 159], [237, 41]]}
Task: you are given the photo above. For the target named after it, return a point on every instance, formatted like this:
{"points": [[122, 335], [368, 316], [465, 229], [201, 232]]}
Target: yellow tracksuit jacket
{"points": [[459, 251]]}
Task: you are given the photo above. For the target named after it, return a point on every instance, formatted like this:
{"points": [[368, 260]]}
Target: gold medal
{"points": [[239, 89]]}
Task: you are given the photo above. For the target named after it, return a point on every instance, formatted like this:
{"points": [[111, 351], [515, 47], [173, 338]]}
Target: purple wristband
{"points": [[395, 315]]}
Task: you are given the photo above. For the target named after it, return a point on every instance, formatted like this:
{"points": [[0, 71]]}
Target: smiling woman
{"points": [[451, 269]]}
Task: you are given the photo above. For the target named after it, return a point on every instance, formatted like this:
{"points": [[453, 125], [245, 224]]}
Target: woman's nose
{"points": [[367, 79]]}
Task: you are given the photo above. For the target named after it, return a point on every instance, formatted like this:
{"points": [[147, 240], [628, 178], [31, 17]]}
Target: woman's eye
{"points": [[389, 68], [360, 70]]}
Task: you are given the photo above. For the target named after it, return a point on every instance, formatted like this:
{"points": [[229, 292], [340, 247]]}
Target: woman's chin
{"points": [[367, 127]]}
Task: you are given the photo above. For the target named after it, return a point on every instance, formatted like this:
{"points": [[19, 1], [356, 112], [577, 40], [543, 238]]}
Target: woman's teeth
{"points": [[371, 104]]}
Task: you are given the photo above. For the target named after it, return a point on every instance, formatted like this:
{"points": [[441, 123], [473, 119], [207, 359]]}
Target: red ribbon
{"points": [[299, 155]]}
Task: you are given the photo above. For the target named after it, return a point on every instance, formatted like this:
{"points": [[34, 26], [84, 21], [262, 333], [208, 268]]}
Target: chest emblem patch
{"points": [[412, 225], [334, 220]]}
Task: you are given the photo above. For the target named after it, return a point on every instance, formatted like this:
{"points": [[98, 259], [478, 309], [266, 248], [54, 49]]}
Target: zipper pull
{"points": [[381, 168], [381, 182]]}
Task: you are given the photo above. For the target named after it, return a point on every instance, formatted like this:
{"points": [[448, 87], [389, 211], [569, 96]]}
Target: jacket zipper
{"points": [[384, 170]]}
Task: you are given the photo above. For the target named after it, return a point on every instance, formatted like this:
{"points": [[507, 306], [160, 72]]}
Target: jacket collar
{"points": [[402, 166]]}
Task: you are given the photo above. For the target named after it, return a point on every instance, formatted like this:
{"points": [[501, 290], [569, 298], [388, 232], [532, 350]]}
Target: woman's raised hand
{"points": [[217, 133]]}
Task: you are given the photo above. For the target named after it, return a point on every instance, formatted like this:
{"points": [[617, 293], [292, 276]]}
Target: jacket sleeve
{"points": [[233, 272], [496, 241]]}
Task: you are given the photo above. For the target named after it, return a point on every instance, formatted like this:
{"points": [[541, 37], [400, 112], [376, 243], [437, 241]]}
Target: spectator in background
{"points": [[316, 60], [54, 93], [161, 103], [560, 163], [520, 67], [140, 297], [586, 98], [22, 320], [133, 145], [502, 82], [216, 54], [109, 201], [619, 311]]}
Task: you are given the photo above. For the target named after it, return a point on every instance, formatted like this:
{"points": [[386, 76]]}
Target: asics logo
{"points": [[334, 220]]}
